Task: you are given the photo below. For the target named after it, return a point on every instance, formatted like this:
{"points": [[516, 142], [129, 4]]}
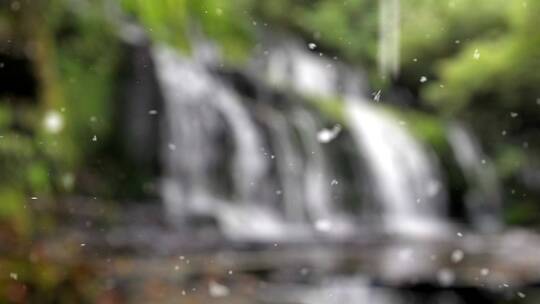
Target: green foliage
{"points": [[13, 210], [87, 60], [176, 21], [481, 54], [428, 128], [332, 109], [349, 28], [481, 58], [5, 116], [435, 29]]}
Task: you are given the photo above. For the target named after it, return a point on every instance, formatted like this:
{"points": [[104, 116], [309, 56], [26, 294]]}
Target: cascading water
{"points": [[288, 165], [406, 183], [327, 217], [199, 111], [483, 200], [405, 177], [215, 135]]}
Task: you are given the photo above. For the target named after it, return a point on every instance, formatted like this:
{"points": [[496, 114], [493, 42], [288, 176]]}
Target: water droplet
{"points": [[457, 256], [476, 54], [53, 122], [217, 290], [312, 45], [433, 187], [323, 225], [423, 79], [326, 135], [405, 254], [446, 277], [514, 114]]}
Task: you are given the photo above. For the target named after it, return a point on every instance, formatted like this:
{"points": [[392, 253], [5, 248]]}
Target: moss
{"points": [[13, 211], [331, 109]]}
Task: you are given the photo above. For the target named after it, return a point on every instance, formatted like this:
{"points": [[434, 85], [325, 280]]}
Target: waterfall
{"points": [[323, 211], [291, 65], [404, 176], [288, 165], [483, 199], [199, 109], [254, 162]]}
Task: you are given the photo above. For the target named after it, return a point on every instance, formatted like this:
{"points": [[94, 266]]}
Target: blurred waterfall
{"points": [[200, 110], [483, 200], [405, 177], [254, 162], [322, 210], [288, 160]]}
